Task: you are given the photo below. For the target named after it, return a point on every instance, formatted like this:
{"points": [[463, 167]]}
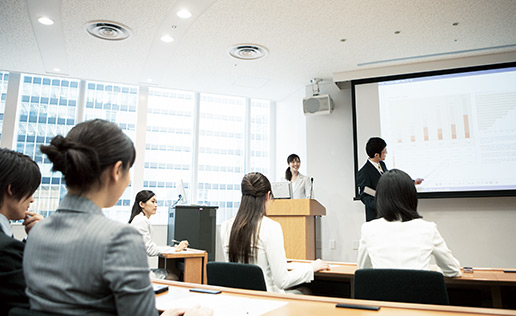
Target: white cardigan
{"points": [[143, 225], [271, 257], [404, 245]]}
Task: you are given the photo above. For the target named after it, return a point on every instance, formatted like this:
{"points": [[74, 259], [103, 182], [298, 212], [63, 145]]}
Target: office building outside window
{"points": [[168, 148], [47, 108], [259, 146], [115, 103], [205, 142], [4, 78], [221, 153]]}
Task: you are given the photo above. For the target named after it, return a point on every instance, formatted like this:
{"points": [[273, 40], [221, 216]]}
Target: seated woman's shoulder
{"points": [[269, 222]]}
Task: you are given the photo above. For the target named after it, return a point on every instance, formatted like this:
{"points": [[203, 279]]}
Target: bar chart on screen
{"points": [[456, 136]]}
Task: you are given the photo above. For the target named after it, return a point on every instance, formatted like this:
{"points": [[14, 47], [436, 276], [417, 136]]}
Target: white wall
{"points": [[479, 231], [290, 132]]}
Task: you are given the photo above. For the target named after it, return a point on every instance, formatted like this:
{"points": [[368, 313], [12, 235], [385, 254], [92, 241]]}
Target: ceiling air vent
{"points": [[108, 30], [248, 51]]}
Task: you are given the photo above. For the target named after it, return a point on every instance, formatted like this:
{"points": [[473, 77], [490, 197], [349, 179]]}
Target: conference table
{"points": [[488, 279], [245, 302], [194, 264]]}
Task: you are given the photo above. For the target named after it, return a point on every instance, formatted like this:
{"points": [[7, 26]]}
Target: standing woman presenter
{"points": [[77, 261], [301, 184]]}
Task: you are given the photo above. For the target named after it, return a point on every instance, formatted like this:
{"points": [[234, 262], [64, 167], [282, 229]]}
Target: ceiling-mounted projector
{"points": [[317, 105]]}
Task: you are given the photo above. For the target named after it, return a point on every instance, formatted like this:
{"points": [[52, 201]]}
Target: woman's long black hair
{"points": [[246, 227], [142, 196], [288, 173]]}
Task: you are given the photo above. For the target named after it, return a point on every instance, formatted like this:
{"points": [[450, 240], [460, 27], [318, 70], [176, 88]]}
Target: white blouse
{"points": [[143, 225], [271, 257], [404, 245]]}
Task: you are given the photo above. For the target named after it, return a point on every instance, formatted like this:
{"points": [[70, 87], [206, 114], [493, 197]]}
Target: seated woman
{"points": [[77, 261], [251, 237], [145, 205], [400, 238]]}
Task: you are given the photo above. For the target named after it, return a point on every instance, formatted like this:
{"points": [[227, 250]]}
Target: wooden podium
{"points": [[297, 219]]}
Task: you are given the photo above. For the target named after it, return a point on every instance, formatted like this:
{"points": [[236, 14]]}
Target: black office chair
{"points": [[20, 311], [400, 285], [237, 275]]}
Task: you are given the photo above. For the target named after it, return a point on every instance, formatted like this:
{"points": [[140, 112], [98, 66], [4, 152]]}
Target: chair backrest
{"points": [[20, 311], [237, 275], [401, 285]]}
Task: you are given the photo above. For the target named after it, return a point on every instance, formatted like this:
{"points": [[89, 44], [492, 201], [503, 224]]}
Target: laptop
{"points": [[281, 190]]}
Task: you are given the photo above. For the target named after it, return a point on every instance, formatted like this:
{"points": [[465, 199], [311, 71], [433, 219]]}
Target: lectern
{"points": [[297, 219]]}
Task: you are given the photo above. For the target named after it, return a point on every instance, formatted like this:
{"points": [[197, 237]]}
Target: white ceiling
{"points": [[303, 38]]}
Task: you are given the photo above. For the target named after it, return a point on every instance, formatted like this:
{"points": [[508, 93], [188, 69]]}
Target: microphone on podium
{"points": [[311, 188]]}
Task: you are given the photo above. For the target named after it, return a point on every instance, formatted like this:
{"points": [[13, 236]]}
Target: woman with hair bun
{"points": [[77, 261], [251, 237]]}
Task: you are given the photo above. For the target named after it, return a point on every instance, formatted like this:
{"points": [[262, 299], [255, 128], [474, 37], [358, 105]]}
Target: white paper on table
{"points": [[222, 305], [187, 251]]}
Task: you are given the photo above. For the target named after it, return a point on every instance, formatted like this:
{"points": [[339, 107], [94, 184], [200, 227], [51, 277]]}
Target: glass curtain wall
{"points": [[221, 152], [183, 155], [168, 148], [260, 141], [47, 108], [4, 78], [115, 103]]}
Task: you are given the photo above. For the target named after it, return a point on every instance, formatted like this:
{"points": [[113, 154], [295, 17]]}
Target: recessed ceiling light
{"points": [[149, 80], [57, 69], [167, 38], [184, 14], [45, 21]]}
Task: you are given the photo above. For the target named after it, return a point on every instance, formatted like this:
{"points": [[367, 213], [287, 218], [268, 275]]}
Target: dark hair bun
{"points": [[87, 150], [78, 163]]}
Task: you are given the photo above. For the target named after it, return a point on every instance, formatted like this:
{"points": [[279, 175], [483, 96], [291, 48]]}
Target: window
{"points": [[115, 103], [259, 145], [4, 78], [168, 149], [47, 108], [202, 142], [221, 153]]}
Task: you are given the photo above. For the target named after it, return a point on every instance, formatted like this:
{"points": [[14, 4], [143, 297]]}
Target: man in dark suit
{"points": [[370, 173], [12, 288], [19, 178]]}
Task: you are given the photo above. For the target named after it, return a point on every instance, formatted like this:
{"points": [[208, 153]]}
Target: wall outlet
{"points": [[355, 244], [333, 244]]}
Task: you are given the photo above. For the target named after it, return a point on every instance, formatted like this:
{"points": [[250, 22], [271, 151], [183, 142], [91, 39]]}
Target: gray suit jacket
{"points": [[78, 262]]}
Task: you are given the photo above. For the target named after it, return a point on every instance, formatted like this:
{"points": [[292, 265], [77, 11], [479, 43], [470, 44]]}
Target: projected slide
{"points": [[456, 131]]}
